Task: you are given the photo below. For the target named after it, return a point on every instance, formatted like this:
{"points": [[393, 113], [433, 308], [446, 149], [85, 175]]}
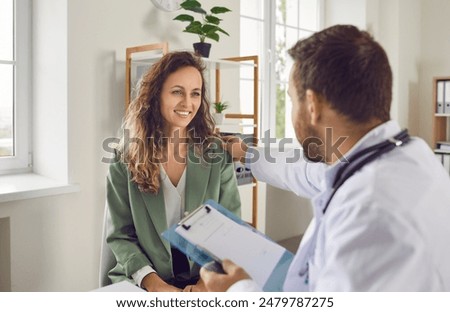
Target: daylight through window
{"points": [[269, 28]]}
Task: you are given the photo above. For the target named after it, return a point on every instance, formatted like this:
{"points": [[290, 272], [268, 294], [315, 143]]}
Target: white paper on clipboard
{"points": [[225, 239]]}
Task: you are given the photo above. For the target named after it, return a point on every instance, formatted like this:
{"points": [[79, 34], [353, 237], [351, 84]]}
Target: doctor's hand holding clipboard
{"points": [[210, 232], [219, 282]]}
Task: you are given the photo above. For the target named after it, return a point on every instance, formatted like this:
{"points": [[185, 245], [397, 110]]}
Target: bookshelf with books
{"points": [[441, 120]]}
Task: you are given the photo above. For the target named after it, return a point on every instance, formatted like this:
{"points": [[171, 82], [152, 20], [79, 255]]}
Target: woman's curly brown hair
{"points": [[144, 122]]}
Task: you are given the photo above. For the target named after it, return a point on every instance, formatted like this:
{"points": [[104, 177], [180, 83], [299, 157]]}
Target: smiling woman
{"points": [[171, 105], [163, 170]]}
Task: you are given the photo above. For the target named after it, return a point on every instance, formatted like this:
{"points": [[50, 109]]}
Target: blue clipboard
{"points": [[201, 256]]}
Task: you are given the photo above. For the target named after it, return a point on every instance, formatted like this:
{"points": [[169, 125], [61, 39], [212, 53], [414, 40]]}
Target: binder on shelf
{"points": [[243, 175], [212, 232], [443, 145], [447, 97], [440, 97]]}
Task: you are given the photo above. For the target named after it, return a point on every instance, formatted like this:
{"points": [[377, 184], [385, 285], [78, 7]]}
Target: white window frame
{"points": [[268, 102], [48, 97], [21, 161]]}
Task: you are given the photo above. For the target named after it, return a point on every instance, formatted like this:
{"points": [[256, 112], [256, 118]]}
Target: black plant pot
{"points": [[202, 48]]}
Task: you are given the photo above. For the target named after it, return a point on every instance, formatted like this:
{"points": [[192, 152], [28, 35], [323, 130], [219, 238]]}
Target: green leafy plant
{"points": [[208, 26], [220, 106]]}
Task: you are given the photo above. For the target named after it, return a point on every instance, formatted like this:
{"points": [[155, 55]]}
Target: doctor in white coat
{"points": [[381, 199]]}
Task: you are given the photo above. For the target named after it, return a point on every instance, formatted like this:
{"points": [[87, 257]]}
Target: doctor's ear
{"points": [[314, 105]]}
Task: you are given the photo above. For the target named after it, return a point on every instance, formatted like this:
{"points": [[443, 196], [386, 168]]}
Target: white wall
{"points": [[400, 34], [345, 12], [55, 241], [287, 215], [435, 31], [50, 89], [5, 255], [396, 25]]}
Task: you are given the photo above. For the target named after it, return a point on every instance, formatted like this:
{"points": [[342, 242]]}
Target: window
{"points": [[269, 28], [14, 82]]}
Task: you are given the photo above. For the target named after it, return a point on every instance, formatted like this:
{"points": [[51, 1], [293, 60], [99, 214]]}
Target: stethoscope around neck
{"points": [[353, 164], [363, 157]]}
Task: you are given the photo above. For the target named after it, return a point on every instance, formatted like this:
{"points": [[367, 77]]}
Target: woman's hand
{"points": [[153, 283], [199, 287]]}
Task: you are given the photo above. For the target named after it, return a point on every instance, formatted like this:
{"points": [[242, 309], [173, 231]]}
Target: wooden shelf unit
{"points": [[440, 120], [254, 117], [163, 46]]}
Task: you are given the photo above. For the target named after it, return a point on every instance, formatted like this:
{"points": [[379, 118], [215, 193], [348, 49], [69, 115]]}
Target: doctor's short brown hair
{"points": [[348, 68]]}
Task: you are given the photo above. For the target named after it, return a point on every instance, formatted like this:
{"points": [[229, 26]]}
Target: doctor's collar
{"points": [[374, 136]]}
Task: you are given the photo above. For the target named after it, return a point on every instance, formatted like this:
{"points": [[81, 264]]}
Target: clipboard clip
{"points": [[183, 221]]}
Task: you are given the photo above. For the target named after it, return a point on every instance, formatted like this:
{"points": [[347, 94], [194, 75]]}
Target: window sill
{"points": [[30, 185]]}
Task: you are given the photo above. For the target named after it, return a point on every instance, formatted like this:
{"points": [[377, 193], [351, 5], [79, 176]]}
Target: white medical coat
{"points": [[386, 229]]}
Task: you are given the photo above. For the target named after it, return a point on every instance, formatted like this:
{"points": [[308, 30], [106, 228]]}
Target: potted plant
{"points": [[219, 107], [206, 27]]}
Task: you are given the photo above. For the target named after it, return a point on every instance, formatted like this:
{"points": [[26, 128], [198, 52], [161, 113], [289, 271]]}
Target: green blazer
{"points": [[137, 219]]}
